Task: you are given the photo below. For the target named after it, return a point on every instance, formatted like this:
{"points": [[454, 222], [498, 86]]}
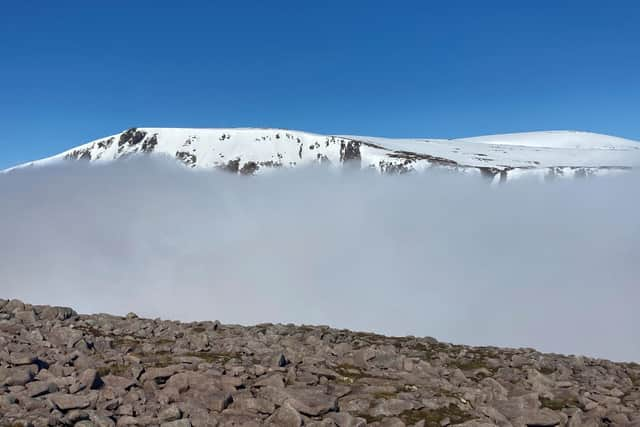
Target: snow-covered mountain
{"points": [[251, 150]]}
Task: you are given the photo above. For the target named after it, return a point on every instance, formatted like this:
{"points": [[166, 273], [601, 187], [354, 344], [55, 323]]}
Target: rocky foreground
{"points": [[61, 368]]}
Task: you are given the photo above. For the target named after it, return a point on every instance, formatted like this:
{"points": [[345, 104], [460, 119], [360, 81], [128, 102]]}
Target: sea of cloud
{"points": [[554, 265]]}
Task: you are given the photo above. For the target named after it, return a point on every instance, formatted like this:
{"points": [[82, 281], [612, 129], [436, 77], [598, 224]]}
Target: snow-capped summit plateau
{"points": [[252, 150]]}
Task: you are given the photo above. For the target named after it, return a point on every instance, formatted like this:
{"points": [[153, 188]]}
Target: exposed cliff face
{"points": [[61, 368], [250, 151]]}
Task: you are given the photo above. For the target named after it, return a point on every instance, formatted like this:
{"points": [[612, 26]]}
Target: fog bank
{"points": [[553, 266]]}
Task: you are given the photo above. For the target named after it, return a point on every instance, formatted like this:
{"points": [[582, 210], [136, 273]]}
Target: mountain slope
{"points": [[212, 373], [250, 150]]}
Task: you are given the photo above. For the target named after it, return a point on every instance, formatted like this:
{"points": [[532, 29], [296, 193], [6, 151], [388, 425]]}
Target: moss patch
{"points": [[369, 418], [213, 357], [159, 359], [130, 343], [473, 359], [90, 330], [385, 394], [433, 417], [118, 370], [428, 352], [348, 374], [559, 404], [441, 392]]}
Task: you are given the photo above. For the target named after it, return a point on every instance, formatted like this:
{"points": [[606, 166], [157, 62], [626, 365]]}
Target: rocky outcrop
{"points": [[61, 368]]}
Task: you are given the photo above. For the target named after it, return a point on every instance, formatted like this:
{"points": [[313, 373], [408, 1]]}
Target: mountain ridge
{"points": [[254, 150]]}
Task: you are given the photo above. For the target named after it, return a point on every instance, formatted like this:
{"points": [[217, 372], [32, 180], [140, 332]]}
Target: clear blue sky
{"points": [[72, 71]]}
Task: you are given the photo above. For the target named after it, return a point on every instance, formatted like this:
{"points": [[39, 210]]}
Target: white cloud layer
{"points": [[551, 266]]}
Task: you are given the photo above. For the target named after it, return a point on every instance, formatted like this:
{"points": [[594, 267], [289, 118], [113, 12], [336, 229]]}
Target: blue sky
{"points": [[72, 71]]}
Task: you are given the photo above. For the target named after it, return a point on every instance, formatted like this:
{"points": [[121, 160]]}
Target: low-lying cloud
{"points": [[553, 266]]}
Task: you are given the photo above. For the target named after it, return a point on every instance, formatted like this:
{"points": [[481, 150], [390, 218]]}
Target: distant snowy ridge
{"points": [[253, 150]]}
